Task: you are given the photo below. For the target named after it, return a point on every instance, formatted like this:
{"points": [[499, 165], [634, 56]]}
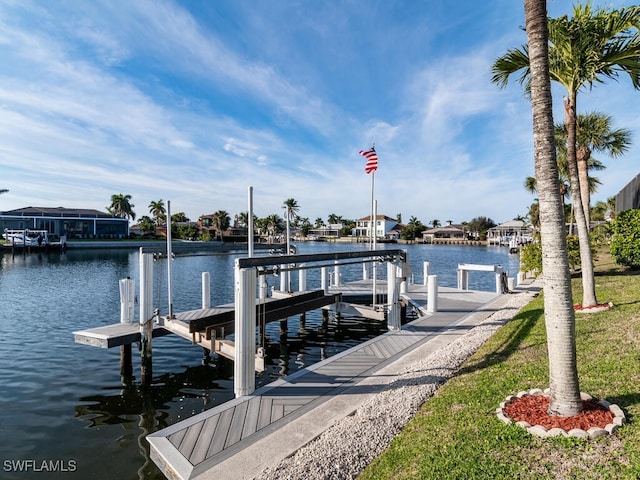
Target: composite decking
{"points": [[236, 439]]}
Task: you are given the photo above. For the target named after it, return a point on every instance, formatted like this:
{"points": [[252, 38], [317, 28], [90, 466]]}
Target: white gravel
{"points": [[346, 448]]}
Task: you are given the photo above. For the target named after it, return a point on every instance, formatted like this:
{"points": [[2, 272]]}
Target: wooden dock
{"points": [[240, 438]]}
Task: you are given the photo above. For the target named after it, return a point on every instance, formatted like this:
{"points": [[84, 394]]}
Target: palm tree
{"points": [[156, 208], [334, 219], [121, 206], [585, 49], [558, 301], [220, 222], [292, 208], [435, 223], [318, 223], [273, 224], [594, 134]]}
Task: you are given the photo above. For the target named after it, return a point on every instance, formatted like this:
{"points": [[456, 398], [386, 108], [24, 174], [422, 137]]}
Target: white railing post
{"points": [[206, 290], [146, 286], [263, 287], [127, 300], [283, 278], [432, 294], [336, 274], [404, 271], [498, 279], [426, 270], [393, 296], [245, 331], [463, 279], [365, 271], [146, 320], [302, 280], [323, 280]]}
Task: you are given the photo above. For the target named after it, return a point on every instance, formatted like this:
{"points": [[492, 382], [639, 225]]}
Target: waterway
{"points": [[63, 407]]}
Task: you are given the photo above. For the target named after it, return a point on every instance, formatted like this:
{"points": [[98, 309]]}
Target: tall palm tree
{"points": [[121, 206], [558, 302], [292, 207], [585, 49], [435, 223], [594, 134], [159, 212]]}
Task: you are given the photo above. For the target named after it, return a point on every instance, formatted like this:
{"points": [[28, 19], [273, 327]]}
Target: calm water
{"points": [[65, 404]]}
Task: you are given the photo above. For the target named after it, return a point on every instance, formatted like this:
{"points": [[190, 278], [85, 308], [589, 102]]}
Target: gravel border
{"points": [[346, 448]]}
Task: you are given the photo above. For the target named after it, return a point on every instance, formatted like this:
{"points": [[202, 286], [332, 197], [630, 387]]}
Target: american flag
{"points": [[372, 159]]}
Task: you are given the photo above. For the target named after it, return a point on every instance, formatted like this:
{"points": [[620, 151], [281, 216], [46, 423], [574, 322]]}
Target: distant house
{"points": [[330, 231], [386, 228], [72, 222], [448, 232], [512, 230]]}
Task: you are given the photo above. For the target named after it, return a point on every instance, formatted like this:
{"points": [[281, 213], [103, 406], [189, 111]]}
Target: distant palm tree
{"points": [[334, 219], [319, 223], [121, 206], [435, 223], [156, 208], [292, 208], [273, 224], [220, 222]]}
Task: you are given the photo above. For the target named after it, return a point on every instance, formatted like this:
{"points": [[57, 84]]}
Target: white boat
{"points": [[26, 238]]}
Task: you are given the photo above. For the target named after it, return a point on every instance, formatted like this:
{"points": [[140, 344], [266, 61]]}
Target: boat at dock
{"points": [[30, 239]]}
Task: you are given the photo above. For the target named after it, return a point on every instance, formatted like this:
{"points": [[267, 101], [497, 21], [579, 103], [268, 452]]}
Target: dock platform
{"points": [[242, 437]]}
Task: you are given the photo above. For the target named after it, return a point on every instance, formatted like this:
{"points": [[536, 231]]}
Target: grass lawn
{"points": [[456, 434]]}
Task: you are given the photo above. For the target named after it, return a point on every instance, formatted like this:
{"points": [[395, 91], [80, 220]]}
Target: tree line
{"points": [[272, 225]]}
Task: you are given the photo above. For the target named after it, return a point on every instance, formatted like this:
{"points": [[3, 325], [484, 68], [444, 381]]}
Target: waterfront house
{"points": [[444, 234], [72, 222], [330, 231], [504, 233], [386, 228]]}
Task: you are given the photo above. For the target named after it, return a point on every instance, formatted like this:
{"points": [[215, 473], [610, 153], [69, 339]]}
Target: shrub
{"points": [[625, 244], [531, 258]]}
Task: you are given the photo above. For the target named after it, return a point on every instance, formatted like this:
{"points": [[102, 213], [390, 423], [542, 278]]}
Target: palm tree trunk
{"points": [[582, 154], [558, 302], [586, 256]]}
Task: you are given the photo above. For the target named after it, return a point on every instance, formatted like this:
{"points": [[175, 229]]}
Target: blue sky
{"points": [[195, 101]]}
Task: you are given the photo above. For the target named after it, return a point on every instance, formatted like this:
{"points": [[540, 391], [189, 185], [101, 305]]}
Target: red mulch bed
{"points": [[533, 410], [598, 306]]}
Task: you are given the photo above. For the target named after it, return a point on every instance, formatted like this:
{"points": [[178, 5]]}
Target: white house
{"points": [[386, 228]]}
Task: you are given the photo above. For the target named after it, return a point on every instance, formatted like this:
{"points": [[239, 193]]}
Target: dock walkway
{"points": [[242, 437]]}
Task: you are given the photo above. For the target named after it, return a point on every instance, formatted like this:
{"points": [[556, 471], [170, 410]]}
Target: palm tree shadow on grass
{"points": [[510, 345]]}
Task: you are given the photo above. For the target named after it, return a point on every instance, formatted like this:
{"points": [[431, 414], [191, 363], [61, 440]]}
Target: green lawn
{"points": [[456, 434]]}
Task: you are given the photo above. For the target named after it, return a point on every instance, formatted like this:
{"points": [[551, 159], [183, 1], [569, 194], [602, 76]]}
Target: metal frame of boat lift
{"points": [[245, 276]]}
